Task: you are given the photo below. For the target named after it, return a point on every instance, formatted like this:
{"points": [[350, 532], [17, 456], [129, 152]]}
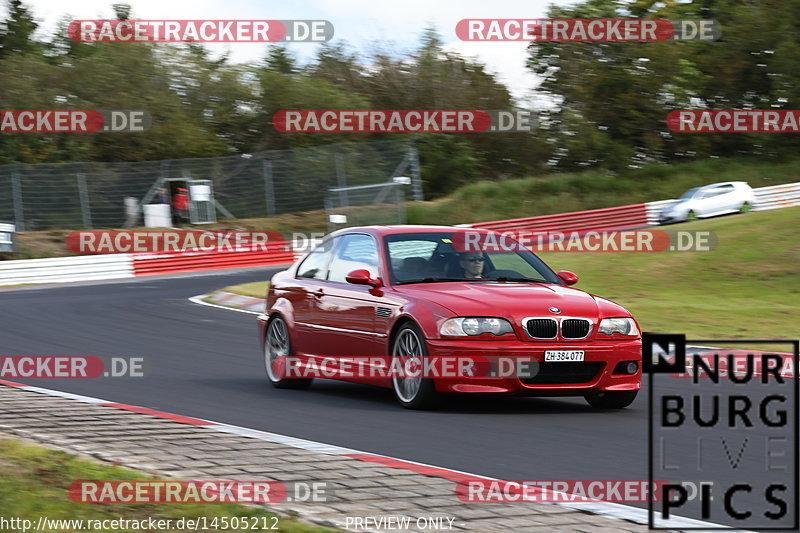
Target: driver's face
{"points": [[472, 264]]}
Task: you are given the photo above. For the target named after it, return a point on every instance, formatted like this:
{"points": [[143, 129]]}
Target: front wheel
{"points": [[277, 347], [408, 351], [611, 400]]}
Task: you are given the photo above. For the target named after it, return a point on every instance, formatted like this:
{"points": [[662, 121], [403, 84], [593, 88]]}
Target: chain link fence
{"points": [[362, 205], [262, 184]]}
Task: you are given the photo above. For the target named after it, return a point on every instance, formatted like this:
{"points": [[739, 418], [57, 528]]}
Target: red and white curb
{"points": [[230, 302]]}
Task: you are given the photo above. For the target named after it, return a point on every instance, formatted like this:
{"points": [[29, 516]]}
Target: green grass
{"points": [[257, 289], [34, 481], [747, 287]]}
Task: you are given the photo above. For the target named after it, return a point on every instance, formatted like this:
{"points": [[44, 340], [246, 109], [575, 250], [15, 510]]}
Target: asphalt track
{"points": [[206, 362]]}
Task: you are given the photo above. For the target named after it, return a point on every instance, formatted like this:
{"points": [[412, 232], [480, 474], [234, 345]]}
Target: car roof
{"points": [[712, 185], [405, 228]]}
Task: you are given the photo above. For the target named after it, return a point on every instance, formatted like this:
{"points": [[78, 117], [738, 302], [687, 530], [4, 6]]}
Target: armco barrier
{"points": [[65, 269], [610, 218], [119, 266], [777, 196], [165, 263]]}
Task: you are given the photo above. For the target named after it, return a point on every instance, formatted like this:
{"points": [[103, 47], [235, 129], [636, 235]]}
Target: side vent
{"points": [[383, 312]]}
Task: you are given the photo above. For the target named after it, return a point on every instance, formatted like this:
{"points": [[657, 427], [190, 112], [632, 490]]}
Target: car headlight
{"points": [[621, 326], [468, 326]]}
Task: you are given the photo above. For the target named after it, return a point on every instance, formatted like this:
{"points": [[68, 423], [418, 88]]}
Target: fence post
{"points": [[16, 193], [269, 188], [416, 179], [84, 197], [341, 179]]}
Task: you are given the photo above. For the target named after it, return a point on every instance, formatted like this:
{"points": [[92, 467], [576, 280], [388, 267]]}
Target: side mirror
{"points": [[569, 278], [361, 277]]}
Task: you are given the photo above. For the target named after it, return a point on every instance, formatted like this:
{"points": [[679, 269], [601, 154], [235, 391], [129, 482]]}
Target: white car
{"points": [[710, 200]]}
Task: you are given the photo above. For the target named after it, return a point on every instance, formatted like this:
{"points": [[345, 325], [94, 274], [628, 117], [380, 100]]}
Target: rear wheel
{"points": [[408, 351], [276, 347], [611, 400]]}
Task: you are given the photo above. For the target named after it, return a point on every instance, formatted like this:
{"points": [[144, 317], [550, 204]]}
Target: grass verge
{"points": [[257, 289], [34, 481]]}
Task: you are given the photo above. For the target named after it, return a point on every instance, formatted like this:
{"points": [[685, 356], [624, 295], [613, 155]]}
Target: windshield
{"points": [[431, 258], [688, 194]]}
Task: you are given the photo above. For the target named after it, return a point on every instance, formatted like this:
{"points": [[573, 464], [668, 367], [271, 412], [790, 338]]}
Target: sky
{"points": [[393, 26]]}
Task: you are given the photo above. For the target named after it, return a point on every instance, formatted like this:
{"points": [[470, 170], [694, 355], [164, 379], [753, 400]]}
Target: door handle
{"points": [[319, 292]]}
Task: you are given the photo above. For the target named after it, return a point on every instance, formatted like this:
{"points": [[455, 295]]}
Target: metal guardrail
{"points": [[66, 269], [777, 196], [610, 218], [166, 263], [121, 266]]}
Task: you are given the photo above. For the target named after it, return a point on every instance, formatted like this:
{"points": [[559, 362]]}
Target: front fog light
{"points": [[633, 367]]}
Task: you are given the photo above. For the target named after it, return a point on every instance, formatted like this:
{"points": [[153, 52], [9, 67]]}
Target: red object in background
{"points": [[355, 299], [180, 200]]}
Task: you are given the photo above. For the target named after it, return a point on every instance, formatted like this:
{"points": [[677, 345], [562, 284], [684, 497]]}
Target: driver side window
{"points": [[354, 252]]}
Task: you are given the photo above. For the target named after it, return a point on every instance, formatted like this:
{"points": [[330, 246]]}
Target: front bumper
{"points": [[552, 380]]}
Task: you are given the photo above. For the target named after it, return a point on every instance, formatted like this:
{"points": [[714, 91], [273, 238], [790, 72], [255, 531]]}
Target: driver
{"points": [[472, 264]]}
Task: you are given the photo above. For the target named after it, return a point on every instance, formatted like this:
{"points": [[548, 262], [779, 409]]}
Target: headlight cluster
{"points": [[622, 326], [464, 327]]}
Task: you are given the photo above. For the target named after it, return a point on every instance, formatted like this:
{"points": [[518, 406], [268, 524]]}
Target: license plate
{"points": [[563, 355]]}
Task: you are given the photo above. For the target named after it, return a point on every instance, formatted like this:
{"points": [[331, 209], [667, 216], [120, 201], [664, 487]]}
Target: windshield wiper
{"points": [[434, 280]]}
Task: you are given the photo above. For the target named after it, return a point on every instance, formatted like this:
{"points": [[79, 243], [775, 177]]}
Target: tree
{"points": [[17, 30]]}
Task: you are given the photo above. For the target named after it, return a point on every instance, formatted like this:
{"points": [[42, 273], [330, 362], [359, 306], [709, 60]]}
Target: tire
{"points": [[611, 400], [746, 208], [277, 344], [412, 393]]}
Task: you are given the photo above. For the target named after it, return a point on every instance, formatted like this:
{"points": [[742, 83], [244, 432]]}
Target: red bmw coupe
{"points": [[370, 301]]}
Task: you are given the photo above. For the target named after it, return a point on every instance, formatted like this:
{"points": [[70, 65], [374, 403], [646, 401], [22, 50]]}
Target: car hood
{"points": [[513, 301]]}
